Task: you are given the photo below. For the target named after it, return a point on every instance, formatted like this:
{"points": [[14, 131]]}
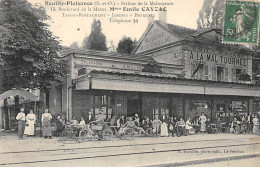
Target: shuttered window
{"points": [[226, 74], [234, 79], [214, 73], [206, 71]]}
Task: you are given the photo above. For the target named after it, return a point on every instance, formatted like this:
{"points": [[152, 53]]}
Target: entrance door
{"points": [[134, 105]]}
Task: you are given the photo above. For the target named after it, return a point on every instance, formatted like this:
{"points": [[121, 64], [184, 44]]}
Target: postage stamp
{"points": [[241, 22]]}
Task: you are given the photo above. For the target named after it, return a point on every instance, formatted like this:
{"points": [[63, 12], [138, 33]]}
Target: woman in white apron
{"points": [[30, 122], [46, 123], [164, 129]]}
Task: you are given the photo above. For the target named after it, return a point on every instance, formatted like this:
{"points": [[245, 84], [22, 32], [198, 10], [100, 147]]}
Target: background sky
{"points": [[183, 12]]}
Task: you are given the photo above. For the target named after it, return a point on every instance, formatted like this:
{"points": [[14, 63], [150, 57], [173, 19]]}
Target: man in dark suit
{"points": [[249, 120]]}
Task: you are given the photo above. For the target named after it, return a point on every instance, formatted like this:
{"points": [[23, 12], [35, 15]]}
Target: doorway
{"points": [[134, 105]]}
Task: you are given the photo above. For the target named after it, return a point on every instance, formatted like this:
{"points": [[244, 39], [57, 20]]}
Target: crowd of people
{"points": [[159, 126]]}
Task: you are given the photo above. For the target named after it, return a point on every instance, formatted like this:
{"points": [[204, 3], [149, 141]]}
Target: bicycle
{"points": [[97, 132]]}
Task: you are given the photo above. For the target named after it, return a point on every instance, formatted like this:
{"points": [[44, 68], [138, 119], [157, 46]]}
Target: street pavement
{"points": [[193, 150]]}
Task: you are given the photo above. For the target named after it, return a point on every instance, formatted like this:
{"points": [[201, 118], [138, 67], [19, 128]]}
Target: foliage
{"points": [[111, 46], [96, 39], [85, 42], [27, 47], [125, 45], [74, 45], [211, 14]]}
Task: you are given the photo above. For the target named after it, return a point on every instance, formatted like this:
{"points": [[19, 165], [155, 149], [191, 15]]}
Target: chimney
{"points": [[163, 16], [150, 20]]}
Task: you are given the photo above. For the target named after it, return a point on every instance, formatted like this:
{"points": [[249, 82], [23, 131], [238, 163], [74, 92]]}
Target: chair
{"points": [[218, 127], [213, 127], [224, 127]]}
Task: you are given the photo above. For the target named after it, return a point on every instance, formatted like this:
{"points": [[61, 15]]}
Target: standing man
{"points": [[250, 122], [46, 123], [21, 123], [90, 117]]}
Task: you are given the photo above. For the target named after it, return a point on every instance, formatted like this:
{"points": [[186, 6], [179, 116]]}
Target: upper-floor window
{"points": [[238, 72], [81, 71], [220, 73]]}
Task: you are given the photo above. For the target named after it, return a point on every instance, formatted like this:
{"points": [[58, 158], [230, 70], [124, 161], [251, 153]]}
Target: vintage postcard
{"points": [[129, 83]]}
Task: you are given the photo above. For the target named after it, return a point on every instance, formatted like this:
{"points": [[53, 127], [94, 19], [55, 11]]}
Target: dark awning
{"points": [[15, 92]]}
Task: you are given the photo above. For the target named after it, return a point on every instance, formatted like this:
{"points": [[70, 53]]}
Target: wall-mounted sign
{"points": [[216, 58], [156, 37], [174, 57], [108, 64]]}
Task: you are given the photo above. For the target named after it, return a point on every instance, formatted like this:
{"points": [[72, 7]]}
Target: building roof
{"points": [[182, 32], [192, 35], [103, 54]]}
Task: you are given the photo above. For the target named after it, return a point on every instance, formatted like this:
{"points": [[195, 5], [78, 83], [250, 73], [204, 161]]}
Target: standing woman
{"points": [[203, 122], [164, 128], [255, 123], [46, 123], [21, 123], [30, 121]]}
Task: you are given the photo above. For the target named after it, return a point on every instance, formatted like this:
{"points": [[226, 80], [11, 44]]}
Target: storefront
{"points": [[173, 71]]}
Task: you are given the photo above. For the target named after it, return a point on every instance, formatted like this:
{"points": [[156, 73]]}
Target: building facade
{"points": [[172, 71]]}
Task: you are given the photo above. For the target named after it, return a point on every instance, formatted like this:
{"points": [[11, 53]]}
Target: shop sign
{"points": [[218, 59], [107, 64], [156, 37]]}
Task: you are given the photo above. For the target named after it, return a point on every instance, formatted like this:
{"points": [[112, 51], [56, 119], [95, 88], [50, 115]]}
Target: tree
{"points": [[211, 14], [27, 47], [125, 45], [85, 42], [74, 45], [96, 39], [111, 46]]}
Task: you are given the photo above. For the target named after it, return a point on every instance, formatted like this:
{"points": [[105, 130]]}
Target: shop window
{"points": [[161, 107], [104, 104], [199, 106], [220, 73]]}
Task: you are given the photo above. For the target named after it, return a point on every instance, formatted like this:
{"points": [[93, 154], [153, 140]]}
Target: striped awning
{"points": [[16, 92]]}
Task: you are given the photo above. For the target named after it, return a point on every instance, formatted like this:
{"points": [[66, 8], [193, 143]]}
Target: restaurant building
{"points": [[172, 71]]}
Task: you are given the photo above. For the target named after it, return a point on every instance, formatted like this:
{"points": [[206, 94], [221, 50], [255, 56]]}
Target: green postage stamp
{"points": [[241, 22]]}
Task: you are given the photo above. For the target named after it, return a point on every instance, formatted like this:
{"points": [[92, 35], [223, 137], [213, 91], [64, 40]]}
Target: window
{"points": [[220, 73], [238, 72], [104, 104], [160, 106], [81, 71], [206, 68]]}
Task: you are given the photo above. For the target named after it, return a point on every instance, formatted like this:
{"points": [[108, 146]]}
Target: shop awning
{"points": [[159, 84], [16, 92]]}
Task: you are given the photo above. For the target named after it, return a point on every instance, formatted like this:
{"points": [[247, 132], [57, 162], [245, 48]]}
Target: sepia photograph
{"points": [[129, 83]]}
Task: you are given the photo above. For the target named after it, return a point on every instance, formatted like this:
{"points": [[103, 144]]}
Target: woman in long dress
{"points": [[255, 123], [30, 121], [46, 123], [164, 129], [203, 122]]}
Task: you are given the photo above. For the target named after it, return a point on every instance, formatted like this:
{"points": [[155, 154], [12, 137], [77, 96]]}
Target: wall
{"points": [[81, 103], [212, 57], [120, 107], [55, 105]]}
